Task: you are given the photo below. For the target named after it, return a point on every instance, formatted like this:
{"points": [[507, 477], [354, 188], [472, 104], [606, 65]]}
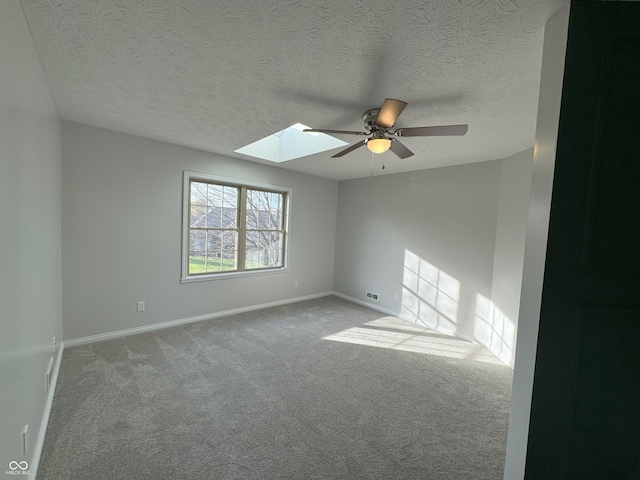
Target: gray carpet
{"points": [[264, 395]]}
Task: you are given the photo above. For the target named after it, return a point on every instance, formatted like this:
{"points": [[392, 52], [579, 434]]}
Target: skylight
{"points": [[290, 143]]}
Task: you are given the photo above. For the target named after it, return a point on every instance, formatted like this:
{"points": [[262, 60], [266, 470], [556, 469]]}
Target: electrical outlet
{"points": [[396, 296], [141, 306], [296, 284], [372, 296]]}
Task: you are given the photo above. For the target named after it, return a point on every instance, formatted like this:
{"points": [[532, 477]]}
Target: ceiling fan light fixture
{"points": [[379, 145]]}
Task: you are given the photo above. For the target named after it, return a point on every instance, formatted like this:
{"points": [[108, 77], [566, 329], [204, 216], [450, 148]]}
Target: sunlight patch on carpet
{"points": [[396, 334]]}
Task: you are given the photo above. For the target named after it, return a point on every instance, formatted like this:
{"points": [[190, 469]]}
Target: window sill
{"points": [[227, 276]]}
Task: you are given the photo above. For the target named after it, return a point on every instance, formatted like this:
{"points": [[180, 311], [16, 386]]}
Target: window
{"points": [[232, 228]]}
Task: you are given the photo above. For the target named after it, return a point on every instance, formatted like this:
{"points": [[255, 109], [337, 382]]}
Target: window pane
{"points": [[198, 216], [214, 241], [215, 193], [252, 219], [253, 259], [229, 217], [273, 202], [230, 198], [276, 212], [274, 221], [214, 217], [221, 261], [198, 193], [229, 241], [263, 219], [228, 260], [196, 262], [275, 250], [213, 262], [263, 250], [197, 240], [221, 250], [252, 251], [264, 210], [252, 240], [251, 216]]}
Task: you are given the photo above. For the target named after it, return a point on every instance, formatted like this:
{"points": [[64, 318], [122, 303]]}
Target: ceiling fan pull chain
{"points": [[371, 174]]}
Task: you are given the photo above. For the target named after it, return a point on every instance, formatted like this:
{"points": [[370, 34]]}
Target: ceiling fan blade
{"points": [[349, 149], [345, 132], [443, 130], [399, 149], [389, 112]]}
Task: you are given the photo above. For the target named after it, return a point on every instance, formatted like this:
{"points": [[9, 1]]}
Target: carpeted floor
{"points": [[300, 391]]}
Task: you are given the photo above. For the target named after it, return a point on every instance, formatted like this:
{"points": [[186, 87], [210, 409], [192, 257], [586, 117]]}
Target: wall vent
{"points": [[372, 296]]}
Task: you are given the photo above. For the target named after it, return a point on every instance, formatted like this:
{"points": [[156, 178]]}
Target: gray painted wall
{"points": [[448, 241], [428, 236], [29, 236], [555, 41], [500, 315], [121, 233]]}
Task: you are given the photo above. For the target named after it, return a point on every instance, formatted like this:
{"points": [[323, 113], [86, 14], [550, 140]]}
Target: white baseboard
{"points": [[183, 321], [366, 304], [37, 450]]}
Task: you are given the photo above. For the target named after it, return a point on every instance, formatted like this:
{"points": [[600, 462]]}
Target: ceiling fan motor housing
{"points": [[370, 117], [377, 134]]}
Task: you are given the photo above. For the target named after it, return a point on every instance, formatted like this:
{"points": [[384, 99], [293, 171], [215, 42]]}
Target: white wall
{"points": [[121, 233], [555, 40], [428, 236], [29, 236], [499, 317]]}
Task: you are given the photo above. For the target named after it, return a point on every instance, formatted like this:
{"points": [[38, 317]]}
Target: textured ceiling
{"points": [[217, 75]]}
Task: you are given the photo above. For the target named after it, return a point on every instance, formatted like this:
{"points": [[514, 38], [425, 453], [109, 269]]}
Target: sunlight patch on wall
{"points": [[429, 295], [494, 329], [396, 334]]}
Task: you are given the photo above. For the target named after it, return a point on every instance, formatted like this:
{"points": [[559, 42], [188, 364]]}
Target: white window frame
{"points": [[189, 177]]}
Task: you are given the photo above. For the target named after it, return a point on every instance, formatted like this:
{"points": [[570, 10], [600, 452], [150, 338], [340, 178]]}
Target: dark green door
{"points": [[585, 413]]}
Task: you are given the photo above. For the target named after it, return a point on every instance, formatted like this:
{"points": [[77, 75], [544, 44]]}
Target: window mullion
{"points": [[283, 230], [242, 228]]}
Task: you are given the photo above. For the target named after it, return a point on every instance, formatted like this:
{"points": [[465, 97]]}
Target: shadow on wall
{"points": [[431, 297]]}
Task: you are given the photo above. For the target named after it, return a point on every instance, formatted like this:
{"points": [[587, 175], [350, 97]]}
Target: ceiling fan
{"points": [[379, 121]]}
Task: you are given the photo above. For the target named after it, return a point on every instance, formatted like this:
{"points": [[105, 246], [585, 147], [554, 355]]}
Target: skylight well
{"points": [[290, 143]]}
